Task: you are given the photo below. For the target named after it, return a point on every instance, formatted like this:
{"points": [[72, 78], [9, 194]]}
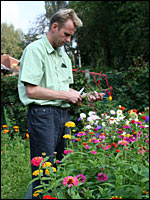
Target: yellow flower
{"points": [[15, 126], [6, 131], [43, 154], [54, 169], [110, 98], [70, 124], [27, 135], [47, 172], [47, 164], [36, 193], [37, 172], [4, 126], [67, 136]]}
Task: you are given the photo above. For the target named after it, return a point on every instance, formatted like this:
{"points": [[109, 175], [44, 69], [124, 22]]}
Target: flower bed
{"points": [[108, 158]]}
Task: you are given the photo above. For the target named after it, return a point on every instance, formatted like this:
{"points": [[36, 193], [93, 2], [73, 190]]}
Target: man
{"points": [[44, 79]]}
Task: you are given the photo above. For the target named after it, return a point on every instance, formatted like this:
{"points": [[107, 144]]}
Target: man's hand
{"points": [[95, 97], [74, 96]]}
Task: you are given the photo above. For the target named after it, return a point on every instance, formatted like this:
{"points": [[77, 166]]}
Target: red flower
{"points": [[133, 121], [144, 117], [117, 150], [122, 108], [48, 197], [109, 93], [114, 144]]}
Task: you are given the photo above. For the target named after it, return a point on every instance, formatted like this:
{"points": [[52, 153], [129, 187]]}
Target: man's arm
{"points": [[37, 92]]}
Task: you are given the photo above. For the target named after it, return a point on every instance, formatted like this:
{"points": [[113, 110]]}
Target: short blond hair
{"points": [[62, 15]]}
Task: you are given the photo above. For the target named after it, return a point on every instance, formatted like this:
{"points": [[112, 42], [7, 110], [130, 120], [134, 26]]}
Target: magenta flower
{"points": [[68, 151], [93, 152], [87, 146], [36, 161], [70, 181], [102, 177], [81, 177]]}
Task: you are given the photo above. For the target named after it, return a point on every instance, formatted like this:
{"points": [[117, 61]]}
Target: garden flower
{"points": [[67, 136], [68, 151], [93, 152], [4, 126], [87, 146], [37, 172], [112, 112], [110, 98], [81, 134], [70, 181], [82, 115], [81, 177], [37, 193], [47, 164], [116, 197], [102, 177], [122, 108], [92, 113], [147, 119], [6, 131], [36, 161], [117, 150], [70, 124], [123, 142], [88, 126], [48, 197], [141, 151]]}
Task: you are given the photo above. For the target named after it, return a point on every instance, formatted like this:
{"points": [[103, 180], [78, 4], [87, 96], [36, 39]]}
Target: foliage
{"points": [[117, 30], [11, 40], [135, 86], [10, 102], [116, 147], [15, 165]]}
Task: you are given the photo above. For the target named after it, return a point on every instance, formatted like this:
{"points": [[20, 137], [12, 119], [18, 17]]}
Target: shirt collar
{"points": [[49, 47]]}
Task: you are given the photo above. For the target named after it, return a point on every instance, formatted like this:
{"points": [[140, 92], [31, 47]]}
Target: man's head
{"points": [[62, 26]]}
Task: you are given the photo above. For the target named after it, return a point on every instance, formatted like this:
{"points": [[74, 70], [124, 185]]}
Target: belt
{"points": [[33, 105]]}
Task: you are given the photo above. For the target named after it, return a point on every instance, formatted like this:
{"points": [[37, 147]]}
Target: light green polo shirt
{"points": [[44, 66]]}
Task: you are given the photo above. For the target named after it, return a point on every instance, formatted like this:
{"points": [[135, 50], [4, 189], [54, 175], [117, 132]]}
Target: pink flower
{"points": [[82, 177], [87, 146], [57, 161], [102, 177], [36, 161], [70, 181], [123, 142], [68, 151], [93, 152], [65, 152]]}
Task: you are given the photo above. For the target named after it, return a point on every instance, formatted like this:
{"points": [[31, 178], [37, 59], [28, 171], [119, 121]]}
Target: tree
{"points": [[113, 32], [11, 40]]}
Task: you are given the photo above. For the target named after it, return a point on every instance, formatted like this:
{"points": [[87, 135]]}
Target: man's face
{"points": [[63, 35]]}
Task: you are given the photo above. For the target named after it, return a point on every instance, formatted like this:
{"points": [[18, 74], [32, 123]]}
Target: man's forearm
{"points": [[37, 92]]}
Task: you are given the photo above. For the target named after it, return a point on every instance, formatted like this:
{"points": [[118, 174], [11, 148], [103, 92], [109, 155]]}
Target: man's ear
{"points": [[54, 26]]}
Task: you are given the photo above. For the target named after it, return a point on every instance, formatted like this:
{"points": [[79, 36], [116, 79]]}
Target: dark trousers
{"points": [[46, 127]]}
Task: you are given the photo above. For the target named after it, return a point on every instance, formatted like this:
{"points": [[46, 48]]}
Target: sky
{"points": [[21, 13]]}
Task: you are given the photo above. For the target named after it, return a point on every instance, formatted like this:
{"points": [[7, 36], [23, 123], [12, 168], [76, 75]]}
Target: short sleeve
{"points": [[32, 66]]}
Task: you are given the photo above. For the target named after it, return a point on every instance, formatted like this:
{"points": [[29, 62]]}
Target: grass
{"points": [[15, 165]]}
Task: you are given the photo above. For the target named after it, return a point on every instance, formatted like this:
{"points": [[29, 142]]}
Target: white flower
{"points": [[103, 124], [120, 117], [82, 115], [112, 120], [88, 127], [112, 112], [92, 113], [119, 112]]}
